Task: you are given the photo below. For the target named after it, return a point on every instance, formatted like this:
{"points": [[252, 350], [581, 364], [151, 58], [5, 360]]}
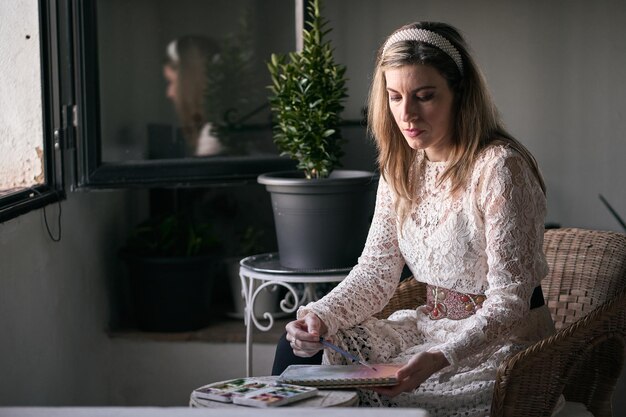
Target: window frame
{"points": [[52, 190], [92, 172], [71, 124]]}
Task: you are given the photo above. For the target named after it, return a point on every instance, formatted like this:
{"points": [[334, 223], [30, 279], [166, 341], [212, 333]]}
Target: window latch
{"points": [[65, 136]]}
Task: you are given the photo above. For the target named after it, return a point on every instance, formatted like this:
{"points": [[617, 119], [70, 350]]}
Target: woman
{"points": [[462, 204], [185, 71]]}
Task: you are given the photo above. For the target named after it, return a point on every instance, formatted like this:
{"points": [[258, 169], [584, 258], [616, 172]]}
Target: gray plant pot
{"points": [[321, 224]]}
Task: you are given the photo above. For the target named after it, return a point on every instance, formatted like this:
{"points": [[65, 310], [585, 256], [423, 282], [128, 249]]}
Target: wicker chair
{"points": [[585, 291]]}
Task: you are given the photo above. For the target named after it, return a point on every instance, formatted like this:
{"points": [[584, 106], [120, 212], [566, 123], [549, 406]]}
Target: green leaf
{"points": [[307, 93]]}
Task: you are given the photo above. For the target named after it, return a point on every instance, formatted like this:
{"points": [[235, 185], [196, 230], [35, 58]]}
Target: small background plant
{"points": [[232, 86], [308, 90], [251, 241], [174, 235]]}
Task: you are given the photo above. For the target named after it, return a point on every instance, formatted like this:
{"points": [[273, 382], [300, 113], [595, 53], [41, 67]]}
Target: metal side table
{"points": [[260, 271]]}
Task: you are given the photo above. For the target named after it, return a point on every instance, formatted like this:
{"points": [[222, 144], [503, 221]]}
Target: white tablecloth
{"points": [[205, 412]]}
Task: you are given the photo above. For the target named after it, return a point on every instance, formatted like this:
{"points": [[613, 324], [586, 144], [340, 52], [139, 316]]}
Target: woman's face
{"points": [[171, 76], [422, 105]]}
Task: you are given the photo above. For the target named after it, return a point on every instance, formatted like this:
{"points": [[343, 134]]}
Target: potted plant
{"points": [[321, 214], [172, 260]]}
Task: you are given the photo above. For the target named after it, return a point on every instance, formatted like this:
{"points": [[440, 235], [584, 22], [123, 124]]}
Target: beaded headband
{"points": [[426, 36], [172, 51]]}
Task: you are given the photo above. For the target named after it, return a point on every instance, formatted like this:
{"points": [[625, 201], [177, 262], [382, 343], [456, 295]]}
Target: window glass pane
{"points": [[21, 124], [188, 78]]}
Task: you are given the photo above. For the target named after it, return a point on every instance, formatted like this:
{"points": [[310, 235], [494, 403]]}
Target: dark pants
{"points": [[284, 357]]}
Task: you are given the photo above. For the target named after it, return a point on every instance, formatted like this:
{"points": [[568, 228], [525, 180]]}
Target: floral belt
{"points": [[443, 303]]}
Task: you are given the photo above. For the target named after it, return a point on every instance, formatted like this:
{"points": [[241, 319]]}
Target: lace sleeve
{"points": [[513, 207], [371, 283]]}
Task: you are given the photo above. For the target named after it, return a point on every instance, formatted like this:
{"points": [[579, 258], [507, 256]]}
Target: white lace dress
{"points": [[488, 240]]}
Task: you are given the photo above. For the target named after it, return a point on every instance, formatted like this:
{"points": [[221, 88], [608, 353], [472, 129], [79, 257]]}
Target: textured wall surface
{"points": [[20, 95]]}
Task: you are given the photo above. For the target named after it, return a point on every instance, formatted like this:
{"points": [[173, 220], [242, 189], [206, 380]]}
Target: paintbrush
{"points": [[346, 354]]}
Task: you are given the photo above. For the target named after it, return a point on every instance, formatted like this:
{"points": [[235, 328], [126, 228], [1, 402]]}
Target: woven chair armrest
{"points": [[530, 382], [410, 294]]}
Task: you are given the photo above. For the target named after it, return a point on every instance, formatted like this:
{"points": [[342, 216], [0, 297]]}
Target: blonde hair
{"points": [[477, 123]]}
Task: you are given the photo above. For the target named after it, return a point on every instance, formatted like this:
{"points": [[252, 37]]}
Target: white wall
{"points": [[20, 96], [55, 313], [54, 306], [164, 373], [556, 70]]}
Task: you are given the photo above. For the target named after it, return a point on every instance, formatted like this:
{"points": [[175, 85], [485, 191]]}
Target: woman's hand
{"points": [[304, 335], [417, 370]]}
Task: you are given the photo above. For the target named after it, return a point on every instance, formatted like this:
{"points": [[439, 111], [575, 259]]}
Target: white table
{"points": [[258, 272], [206, 412]]}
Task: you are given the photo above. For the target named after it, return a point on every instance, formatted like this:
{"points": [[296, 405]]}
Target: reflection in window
{"points": [[21, 124], [186, 71], [188, 78]]}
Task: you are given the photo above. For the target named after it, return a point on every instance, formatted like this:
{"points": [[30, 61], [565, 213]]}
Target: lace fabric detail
{"points": [[486, 239]]}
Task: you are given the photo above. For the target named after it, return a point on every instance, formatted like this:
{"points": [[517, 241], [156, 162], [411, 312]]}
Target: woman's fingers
{"points": [[303, 335], [304, 353], [407, 384], [305, 347], [419, 368], [394, 390]]}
